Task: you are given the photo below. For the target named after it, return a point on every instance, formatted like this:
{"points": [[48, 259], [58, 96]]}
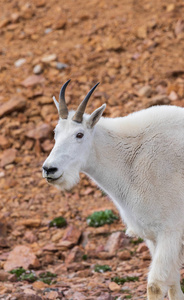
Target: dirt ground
{"points": [[135, 49]]}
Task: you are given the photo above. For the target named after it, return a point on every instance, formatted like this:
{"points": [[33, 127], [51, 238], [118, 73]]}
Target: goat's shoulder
{"points": [[134, 123]]}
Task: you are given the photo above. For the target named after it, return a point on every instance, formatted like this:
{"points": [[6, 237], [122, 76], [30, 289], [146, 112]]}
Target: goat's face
{"points": [[73, 140]]}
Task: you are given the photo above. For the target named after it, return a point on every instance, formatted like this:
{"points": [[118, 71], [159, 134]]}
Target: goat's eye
{"points": [[79, 135]]}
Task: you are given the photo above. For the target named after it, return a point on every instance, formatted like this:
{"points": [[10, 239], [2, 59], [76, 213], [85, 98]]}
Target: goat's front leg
{"points": [[165, 260], [175, 292]]}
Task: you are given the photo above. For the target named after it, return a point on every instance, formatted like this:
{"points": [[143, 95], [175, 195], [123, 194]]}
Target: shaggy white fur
{"points": [[138, 161]]}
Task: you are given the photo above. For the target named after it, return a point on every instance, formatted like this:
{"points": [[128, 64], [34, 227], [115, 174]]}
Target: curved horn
{"points": [[63, 110], [80, 110]]}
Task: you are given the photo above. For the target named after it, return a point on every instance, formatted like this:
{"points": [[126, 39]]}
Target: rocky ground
{"points": [[136, 52]]}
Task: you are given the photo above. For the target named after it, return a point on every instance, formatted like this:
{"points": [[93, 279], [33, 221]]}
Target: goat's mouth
{"points": [[51, 179]]}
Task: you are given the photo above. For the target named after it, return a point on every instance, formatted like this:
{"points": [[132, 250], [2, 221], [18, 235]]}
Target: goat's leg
{"points": [[151, 245], [175, 292], [165, 259]]}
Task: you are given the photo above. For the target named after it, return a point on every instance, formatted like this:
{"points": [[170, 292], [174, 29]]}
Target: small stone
{"points": [[52, 295], [47, 145], [114, 242], [48, 30], [61, 66], [4, 142], [20, 62], [71, 235], [142, 32], [142, 248], [112, 43], [75, 255], [4, 22], [37, 69], [33, 80], [158, 100], [170, 7], [30, 222], [41, 132], [39, 285], [145, 91], [173, 96], [124, 255], [4, 275], [14, 104], [49, 58], [60, 23], [113, 286], [30, 237], [8, 157], [21, 256]]}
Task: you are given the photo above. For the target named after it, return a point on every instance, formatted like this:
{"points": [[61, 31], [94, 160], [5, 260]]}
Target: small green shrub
{"points": [[182, 285], [58, 222], [102, 268], [30, 276], [99, 218], [137, 241], [47, 277], [18, 271], [122, 280]]}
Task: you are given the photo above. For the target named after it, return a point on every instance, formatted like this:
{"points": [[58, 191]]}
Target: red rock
{"points": [[30, 222], [124, 255], [105, 296], [8, 157], [33, 80], [41, 132], [14, 104], [142, 248], [60, 23], [4, 275], [3, 242], [4, 142], [24, 296], [30, 237], [114, 242], [3, 227], [21, 256], [75, 255], [47, 145], [113, 286], [71, 237]]}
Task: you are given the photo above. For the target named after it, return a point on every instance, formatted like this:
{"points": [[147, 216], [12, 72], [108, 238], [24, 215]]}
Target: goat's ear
{"points": [[95, 116], [56, 103]]}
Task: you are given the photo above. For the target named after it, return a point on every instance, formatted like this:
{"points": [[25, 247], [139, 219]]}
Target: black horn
{"points": [[80, 110], [63, 110]]}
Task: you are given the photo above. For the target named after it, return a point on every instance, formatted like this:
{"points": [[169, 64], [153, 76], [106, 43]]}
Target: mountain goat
{"points": [[138, 160]]}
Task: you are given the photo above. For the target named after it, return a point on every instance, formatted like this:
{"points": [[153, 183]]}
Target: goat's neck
{"points": [[106, 164]]}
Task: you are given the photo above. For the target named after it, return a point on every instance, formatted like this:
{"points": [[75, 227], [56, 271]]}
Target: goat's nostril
{"points": [[50, 170], [45, 168]]}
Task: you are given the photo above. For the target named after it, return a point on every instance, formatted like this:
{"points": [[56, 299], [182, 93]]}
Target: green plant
{"points": [[182, 285], [137, 241], [18, 271], [102, 268], [58, 222], [30, 276], [47, 277], [99, 218], [122, 280]]}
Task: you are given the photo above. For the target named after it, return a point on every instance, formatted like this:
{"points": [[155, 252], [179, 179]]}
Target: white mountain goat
{"points": [[138, 160]]}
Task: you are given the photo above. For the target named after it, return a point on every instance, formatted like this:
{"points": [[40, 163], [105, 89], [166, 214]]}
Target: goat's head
{"points": [[73, 140]]}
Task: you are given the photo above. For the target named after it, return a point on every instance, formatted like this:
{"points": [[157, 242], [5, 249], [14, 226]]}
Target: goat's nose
{"points": [[50, 170]]}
